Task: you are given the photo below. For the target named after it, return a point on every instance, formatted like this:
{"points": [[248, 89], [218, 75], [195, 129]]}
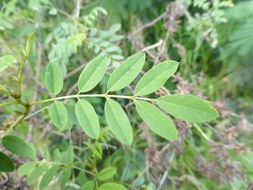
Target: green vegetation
{"points": [[126, 94]]}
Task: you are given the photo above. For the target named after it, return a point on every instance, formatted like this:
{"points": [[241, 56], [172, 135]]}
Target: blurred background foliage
{"points": [[212, 40]]}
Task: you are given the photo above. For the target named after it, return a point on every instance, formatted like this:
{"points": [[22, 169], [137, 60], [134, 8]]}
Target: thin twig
{"points": [[149, 24], [152, 46]]}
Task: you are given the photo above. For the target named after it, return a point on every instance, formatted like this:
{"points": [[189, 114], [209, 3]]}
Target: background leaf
{"points": [[6, 61], [66, 174], [155, 78], [156, 120], [107, 173], [118, 122], [29, 43], [36, 173], [6, 163], [126, 72], [187, 107], [88, 185], [54, 78], [26, 168], [17, 146], [110, 186], [58, 114], [93, 73], [87, 118], [48, 176]]}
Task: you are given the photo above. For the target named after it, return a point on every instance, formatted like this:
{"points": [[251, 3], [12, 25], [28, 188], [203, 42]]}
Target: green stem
{"points": [[20, 119], [208, 139], [93, 95], [20, 76]]}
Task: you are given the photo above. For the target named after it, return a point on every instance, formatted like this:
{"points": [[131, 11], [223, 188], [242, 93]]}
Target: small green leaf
{"points": [[156, 120], [48, 176], [54, 78], [36, 173], [67, 156], [118, 122], [66, 174], [112, 186], [155, 78], [17, 146], [29, 43], [107, 173], [6, 163], [187, 107], [92, 74], [126, 72], [87, 118], [88, 185], [6, 61], [26, 168], [58, 114]]}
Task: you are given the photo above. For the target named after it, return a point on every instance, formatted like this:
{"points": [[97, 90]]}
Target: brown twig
{"points": [[149, 24]]}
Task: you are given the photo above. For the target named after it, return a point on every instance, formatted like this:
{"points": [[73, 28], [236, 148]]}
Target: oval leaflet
{"points": [[118, 122], [87, 118], [156, 120], [188, 107]]}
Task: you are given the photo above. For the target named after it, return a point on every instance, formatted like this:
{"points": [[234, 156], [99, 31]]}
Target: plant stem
{"points": [[93, 95], [20, 76], [203, 134]]}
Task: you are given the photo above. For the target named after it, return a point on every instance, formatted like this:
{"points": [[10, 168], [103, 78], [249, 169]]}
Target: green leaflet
{"points": [[58, 114], [92, 74], [17, 146], [87, 118], [54, 78], [36, 173], [107, 173], [48, 176], [155, 78], [156, 120], [26, 168], [118, 122], [89, 185], [67, 156], [126, 72], [112, 186], [65, 176], [6, 61], [6, 163], [29, 44], [187, 107]]}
